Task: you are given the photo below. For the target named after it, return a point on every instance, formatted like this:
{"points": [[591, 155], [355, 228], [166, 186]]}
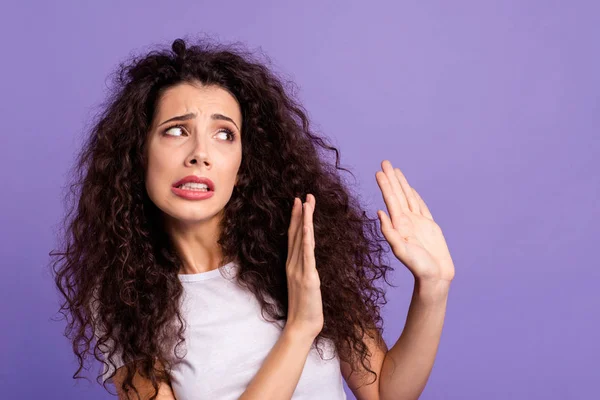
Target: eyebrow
{"points": [[193, 115]]}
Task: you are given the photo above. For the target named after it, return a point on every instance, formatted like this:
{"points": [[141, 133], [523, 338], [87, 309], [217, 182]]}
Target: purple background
{"points": [[491, 109]]}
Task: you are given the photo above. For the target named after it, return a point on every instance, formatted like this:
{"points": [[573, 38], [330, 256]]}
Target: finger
{"points": [[397, 189], [391, 235], [424, 209], [296, 209], [310, 198], [297, 246], [298, 240], [391, 200], [313, 203], [308, 262], [413, 204]]}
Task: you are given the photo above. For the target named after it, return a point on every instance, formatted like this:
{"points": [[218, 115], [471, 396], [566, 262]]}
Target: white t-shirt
{"points": [[227, 341]]}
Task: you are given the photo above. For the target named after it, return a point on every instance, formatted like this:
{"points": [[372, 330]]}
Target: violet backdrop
{"points": [[490, 108]]}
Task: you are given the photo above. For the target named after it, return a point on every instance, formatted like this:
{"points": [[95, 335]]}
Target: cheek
{"points": [[156, 175]]}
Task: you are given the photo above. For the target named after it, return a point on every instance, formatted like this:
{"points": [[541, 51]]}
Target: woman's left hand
{"points": [[416, 240]]}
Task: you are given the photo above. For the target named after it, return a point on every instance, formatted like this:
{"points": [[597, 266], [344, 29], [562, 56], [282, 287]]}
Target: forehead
{"points": [[187, 97]]}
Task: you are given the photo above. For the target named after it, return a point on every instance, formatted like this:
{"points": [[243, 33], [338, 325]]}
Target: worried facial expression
{"points": [[196, 130]]}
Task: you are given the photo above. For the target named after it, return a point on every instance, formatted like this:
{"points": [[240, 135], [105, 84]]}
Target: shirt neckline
{"points": [[201, 276]]}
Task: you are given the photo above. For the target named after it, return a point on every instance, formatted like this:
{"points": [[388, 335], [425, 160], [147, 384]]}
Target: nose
{"points": [[199, 153]]}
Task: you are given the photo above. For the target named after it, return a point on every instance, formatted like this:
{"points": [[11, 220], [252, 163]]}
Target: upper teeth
{"points": [[194, 185]]}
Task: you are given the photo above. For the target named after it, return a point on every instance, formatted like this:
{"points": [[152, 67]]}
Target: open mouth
{"points": [[194, 187]]}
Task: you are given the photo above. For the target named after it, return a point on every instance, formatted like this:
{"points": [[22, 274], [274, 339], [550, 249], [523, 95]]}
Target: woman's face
{"points": [[199, 130]]}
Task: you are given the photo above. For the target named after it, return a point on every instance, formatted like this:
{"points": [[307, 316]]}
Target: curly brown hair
{"points": [[118, 269]]}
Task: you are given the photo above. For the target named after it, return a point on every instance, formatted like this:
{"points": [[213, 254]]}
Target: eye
{"points": [[182, 128], [172, 128], [230, 132]]}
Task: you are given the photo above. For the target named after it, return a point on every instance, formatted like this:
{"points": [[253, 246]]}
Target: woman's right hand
{"points": [[305, 307]]}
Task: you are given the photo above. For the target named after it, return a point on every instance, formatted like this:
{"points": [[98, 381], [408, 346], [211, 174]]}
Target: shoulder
{"points": [[143, 386]]}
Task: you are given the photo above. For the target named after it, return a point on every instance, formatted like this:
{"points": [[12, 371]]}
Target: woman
{"points": [[214, 254]]}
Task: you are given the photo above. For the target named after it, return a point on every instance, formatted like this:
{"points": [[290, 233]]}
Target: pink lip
{"points": [[196, 179], [192, 194]]}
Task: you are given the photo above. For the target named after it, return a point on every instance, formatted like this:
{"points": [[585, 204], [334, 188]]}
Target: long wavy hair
{"points": [[117, 269]]}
